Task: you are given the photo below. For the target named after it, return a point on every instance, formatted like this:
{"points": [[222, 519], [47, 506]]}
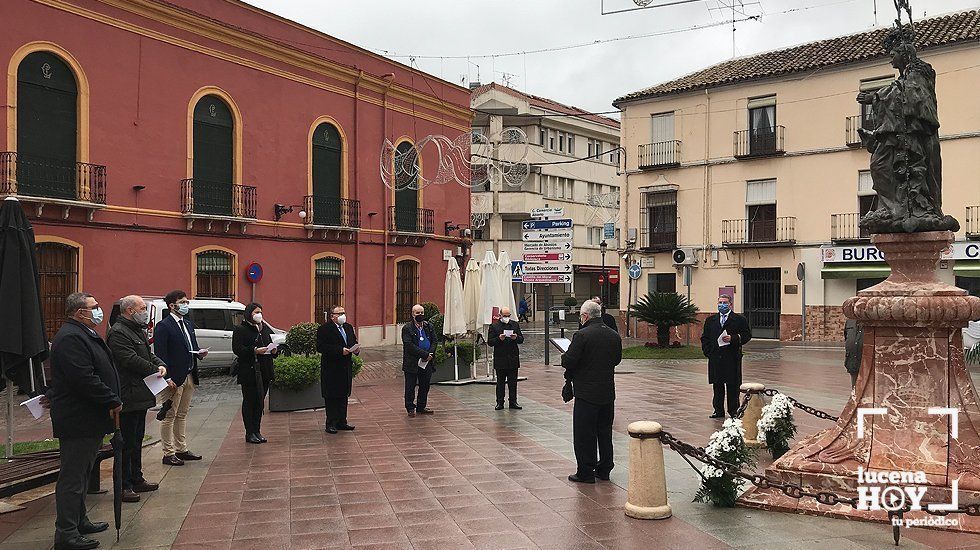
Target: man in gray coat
{"points": [[853, 345], [134, 361]]}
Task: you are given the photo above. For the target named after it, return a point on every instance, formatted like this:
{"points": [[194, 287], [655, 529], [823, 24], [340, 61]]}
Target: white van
{"points": [[214, 320]]}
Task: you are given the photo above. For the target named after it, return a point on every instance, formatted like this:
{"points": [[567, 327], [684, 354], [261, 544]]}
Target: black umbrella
{"points": [[117, 490]]}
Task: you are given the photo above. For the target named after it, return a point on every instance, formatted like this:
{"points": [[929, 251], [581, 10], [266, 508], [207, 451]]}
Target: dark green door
{"points": [[406, 196], [327, 152], [214, 157], [47, 127], [762, 301]]}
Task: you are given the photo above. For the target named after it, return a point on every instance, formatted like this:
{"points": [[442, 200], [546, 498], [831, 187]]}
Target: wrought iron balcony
{"points": [[851, 125], [411, 220], [973, 222], [766, 232], [332, 212], [660, 154], [208, 200], [759, 142], [845, 227], [52, 180]]}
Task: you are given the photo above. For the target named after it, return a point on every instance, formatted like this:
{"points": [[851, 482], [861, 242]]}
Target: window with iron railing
{"points": [[658, 221], [57, 266], [328, 289], [215, 274], [406, 289]]}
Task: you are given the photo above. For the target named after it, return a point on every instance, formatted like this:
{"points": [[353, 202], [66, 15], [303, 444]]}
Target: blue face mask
{"points": [[97, 316], [183, 309], [724, 308]]}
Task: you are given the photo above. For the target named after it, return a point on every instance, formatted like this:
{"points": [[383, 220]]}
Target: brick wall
{"points": [[648, 333], [823, 324]]}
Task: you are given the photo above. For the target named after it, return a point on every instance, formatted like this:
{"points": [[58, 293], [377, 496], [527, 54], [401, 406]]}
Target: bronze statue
{"points": [[906, 168]]}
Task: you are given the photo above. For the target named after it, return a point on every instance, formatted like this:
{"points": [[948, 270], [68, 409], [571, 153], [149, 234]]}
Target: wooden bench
{"points": [[31, 470]]}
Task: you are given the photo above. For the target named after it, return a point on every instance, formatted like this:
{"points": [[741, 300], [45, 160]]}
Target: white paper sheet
{"points": [[271, 348], [561, 343], [202, 351], [156, 383], [355, 349], [423, 364], [34, 406], [720, 341], [508, 333]]}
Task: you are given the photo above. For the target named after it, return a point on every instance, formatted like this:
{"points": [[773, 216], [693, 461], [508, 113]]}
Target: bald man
{"points": [[504, 337], [418, 347]]}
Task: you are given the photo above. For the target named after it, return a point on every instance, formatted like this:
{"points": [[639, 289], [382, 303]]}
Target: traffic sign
{"points": [[553, 278], [602, 280], [609, 230], [253, 272], [614, 276], [635, 271], [547, 224], [534, 268], [516, 271], [547, 247], [554, 257], [554, 212], [548, 235]]}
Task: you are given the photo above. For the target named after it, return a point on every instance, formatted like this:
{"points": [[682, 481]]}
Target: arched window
{"points": [[58, 266], [406, 289], [327, 166], [214, 156], [328, 285], [47, 127], [406, 196], [215, 274]]}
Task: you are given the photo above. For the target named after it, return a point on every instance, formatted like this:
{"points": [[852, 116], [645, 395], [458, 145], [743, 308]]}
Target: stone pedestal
{"points": [[912, 360], [752, 414], [647, 492]]}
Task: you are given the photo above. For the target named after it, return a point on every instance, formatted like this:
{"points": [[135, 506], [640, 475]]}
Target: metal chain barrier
{"points": [[806, 408]]}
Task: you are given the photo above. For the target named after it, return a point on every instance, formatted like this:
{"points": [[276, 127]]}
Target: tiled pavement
{"points": [[468, 476]]}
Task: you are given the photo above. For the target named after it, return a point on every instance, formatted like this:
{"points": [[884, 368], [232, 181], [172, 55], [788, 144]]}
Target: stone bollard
{"points": [[647, 494], [753, 412]]}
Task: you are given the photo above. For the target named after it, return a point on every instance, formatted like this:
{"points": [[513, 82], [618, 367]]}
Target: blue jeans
{"points": [[422, 380]]}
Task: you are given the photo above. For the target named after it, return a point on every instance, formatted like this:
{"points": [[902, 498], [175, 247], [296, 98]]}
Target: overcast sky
{"points": [[592, 76]]}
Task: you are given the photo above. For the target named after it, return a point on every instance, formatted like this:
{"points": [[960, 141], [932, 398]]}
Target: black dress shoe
{"points": [[331, 429], [252, 438], [516, 406], [499, 407], [717, 415], [603, 477], [162, 413], [77, 543], [145, 487], [346, 427], [425, 411], [130, 496], [172, 460], [411, 414], [577, 479], [262, 439], [92, 527], [187, 455]]}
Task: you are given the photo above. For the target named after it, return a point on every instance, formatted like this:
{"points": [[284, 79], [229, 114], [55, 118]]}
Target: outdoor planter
{"points": [[281, 400], [297, 383]]}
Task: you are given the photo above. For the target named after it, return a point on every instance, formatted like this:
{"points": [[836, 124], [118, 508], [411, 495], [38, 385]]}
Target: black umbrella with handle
{"points": [[117, 490]]}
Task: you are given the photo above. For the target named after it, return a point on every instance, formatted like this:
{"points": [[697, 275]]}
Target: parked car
{"points": [[213, 320]]}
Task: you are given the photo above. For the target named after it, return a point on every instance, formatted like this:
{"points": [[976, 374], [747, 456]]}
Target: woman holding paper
{"points": [[252, 344]]}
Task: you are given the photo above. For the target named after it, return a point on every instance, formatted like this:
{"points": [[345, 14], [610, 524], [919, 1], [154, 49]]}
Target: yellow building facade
{"points": [[751, 173]]}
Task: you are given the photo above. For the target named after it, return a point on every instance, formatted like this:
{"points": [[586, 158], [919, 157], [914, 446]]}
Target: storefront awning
{"points": [[967, 268], [855, 271]]}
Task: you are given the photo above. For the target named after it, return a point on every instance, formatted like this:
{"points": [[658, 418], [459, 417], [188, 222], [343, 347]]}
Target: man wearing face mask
{"points": [[134, 361], [504, 336], [175, 343], [84, 398], [337, 344], [722, 339], [418, 345]]}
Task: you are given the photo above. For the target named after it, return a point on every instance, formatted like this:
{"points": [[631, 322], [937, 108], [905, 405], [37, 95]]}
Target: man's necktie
{"points": [[343, 334], [186, 335]]}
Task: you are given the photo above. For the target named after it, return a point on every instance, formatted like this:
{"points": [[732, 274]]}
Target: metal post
{"points": [[10, 417], [547, 324], [687, 281], [801, 275]]}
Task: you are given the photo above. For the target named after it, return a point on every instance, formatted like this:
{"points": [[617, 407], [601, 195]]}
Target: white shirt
{"points": [[182, 325], [724, 319]]}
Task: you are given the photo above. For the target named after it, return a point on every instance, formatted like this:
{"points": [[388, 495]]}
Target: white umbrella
{"points": [[471, 296], [453, 322], [489, 289], [506, 283]]}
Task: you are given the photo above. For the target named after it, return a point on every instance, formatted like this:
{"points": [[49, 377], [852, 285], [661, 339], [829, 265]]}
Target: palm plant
{"points": [[665, 310]]}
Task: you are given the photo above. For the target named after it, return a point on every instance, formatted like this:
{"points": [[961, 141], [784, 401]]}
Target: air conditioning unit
{"points": [[685, 256]]}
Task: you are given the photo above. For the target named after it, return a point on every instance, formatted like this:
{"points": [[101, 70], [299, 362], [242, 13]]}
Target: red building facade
{"points": [[151, 141]]}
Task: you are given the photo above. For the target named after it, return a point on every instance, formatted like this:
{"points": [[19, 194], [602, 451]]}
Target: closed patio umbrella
{"points": [[454, 323], [489, 289], [471, 296], [506, 283]]}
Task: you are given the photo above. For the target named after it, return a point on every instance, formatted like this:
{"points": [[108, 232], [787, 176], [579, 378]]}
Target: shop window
{"points": [[57, 264], [328, 285], [863, 284], [406, 289], [327, 155], [214, 156], [661, 282], [215, 275]]}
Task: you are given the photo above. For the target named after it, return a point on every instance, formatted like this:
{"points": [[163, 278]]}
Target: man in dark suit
{"points": [[84, 398], [418, 344], [590, 364], [506, 356], [722, 339], [134, 361], [337, 344], [175, 343]]}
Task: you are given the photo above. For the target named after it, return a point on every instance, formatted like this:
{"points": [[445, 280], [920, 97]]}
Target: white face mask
{"points": [[505, 320], [257, 317], [342, 318], [142, 317]]}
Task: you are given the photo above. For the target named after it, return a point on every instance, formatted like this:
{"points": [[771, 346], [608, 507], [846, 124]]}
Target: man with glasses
{"points": [[337, 344], [84, 398]]}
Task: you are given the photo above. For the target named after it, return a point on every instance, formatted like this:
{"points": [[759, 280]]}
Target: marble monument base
{"points": [[912, 362]]}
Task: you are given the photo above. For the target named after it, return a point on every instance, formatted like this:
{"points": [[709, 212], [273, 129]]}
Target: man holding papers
{"points": [[131, 352], [418, 345], [252, 344], [504, 336], [175, 343], [337, 344], [721, 342]]}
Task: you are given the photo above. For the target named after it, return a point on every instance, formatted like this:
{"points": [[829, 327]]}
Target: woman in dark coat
{"points": [[250, 343]]}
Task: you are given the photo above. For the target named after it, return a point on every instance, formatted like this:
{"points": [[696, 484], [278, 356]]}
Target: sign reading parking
{"points": [[547, 224]]}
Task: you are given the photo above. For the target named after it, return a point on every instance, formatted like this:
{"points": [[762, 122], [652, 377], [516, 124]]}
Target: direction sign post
{"points": [[550, 235], [547, 256]]}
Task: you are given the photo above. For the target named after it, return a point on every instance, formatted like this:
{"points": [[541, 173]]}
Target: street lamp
{"points": [[605, 278]]}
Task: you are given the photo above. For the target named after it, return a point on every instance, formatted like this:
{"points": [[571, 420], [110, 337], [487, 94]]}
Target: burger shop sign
{"points": [[870, 253]]}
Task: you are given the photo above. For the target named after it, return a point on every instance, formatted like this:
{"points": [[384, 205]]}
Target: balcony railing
{"points": [[851, 125], [759, 142], [764, 232], [208, 198], [845, 227], [660, 154], [411, 220], [31, 176], [331, 212], [973, 222]]}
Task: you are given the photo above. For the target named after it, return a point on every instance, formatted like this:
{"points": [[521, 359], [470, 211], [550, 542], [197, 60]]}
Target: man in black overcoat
{"points": [[337, 344], [722, 339], [506, 356], [418, 344]]}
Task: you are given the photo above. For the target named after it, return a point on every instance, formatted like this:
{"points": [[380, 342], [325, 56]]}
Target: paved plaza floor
{"points": [[467, 476]]}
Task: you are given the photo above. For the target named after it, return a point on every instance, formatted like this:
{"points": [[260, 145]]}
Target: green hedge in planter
{"points": [[463, 349], [301, 339], [298, 372]]}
